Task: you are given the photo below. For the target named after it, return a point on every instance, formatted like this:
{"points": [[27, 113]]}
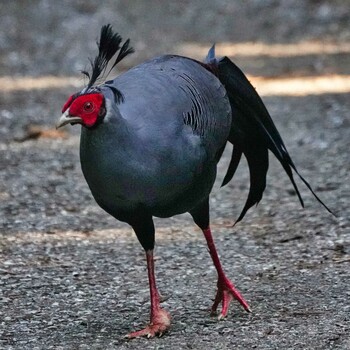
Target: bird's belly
{"points": [[126, 186]]}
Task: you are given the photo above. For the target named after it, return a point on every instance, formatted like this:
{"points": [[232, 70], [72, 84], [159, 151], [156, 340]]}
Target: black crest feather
{"points": [[108, 46]]}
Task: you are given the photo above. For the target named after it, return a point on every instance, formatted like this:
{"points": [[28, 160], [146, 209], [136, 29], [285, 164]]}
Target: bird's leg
{"points": [[160, 318], [226, 290]]}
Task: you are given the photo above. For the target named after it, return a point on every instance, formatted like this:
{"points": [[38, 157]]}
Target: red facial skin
{"points": [[88, 107], [68, 103]]}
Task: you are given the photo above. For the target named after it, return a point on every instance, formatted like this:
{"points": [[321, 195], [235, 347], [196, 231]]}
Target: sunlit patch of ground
{"points": [[302, 86], [266, 86], [281, 86], [255, 49], [26, 83]]}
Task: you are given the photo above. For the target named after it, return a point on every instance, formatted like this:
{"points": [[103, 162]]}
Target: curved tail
{"points": [[252, 133]]}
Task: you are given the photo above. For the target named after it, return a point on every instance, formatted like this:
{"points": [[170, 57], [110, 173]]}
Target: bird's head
{"points": [[88, 107], [85, 109]]}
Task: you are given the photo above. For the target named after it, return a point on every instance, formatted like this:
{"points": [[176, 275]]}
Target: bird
{"points": [[152, 137]]}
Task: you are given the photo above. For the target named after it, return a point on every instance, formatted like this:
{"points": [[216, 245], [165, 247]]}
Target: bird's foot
{"points": [[160, 323], [225, 293]]}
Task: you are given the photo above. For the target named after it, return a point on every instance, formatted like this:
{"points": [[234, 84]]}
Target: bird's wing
{"points": [[173, 94]]}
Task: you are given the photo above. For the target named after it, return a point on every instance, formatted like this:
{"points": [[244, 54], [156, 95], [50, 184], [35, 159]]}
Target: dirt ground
{"points": [[71, 277]]}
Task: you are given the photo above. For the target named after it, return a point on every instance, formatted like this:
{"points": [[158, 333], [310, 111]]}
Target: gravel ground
{"points": [[71, 277]]}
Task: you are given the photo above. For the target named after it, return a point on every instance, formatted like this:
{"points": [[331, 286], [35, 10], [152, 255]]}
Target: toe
{"points": [[225, 294], [160, 323]]}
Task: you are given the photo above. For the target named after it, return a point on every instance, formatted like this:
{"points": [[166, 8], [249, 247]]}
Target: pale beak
{"points": [[66, 119]]}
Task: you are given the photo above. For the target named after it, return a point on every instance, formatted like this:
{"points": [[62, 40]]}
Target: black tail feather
{"points": [[258, 163], [253, 133], [235, 159]]}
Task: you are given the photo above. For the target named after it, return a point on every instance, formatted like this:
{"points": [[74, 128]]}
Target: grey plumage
{"points": [[145, 153]]}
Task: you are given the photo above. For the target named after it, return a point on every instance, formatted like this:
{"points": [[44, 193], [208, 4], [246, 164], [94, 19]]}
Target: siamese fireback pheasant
{"points": [[151, 140]]}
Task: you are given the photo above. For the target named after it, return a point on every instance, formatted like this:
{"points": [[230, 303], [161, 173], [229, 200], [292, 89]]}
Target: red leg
{"points": [[160, 319], [226, 290]]}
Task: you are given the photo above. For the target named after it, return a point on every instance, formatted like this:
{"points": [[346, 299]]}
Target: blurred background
{"points": [[44, 44], [43, 37], [69, 269]]}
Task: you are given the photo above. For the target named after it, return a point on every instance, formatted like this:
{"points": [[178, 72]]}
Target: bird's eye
{"points": [[88, 107]]}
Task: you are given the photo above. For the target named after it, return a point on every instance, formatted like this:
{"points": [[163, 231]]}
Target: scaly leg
{"points": [[226, 290], [160, 318]]}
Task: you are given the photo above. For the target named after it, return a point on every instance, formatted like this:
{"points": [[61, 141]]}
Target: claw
{"points": [[221, 317], [225, 294], [160, 323]]}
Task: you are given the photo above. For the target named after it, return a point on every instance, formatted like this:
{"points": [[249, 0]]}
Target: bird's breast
{"points": [[127, 175]]}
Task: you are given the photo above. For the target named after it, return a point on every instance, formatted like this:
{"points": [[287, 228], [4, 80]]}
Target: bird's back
{"points": [[170, 92]]}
